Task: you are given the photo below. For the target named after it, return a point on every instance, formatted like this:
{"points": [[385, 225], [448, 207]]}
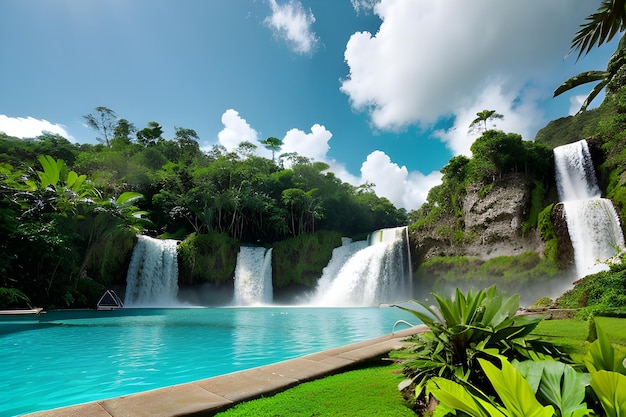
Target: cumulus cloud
{"points": [[520, 116], [29, 127], [236, 130], [401, 187], [364, 5], [312, 145], [292, 23], [404, 188], [430, 58], [575, 103]]}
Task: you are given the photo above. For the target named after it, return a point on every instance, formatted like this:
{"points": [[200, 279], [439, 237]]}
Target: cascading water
{"points": [[152, 279], [367, 273], [253, 276], [593, 224]]}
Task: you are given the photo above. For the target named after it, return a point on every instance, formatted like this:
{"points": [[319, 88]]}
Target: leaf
{"points": [[51, 170], [564, 388], [601, 355], [610, 387], [514, 391], [455, 396], [128, 197]]}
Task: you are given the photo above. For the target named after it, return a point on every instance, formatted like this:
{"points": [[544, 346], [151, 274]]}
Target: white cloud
{"points": [[293, 24], [575, 103], [364, 5], [401, 187], [521, 116], [312, 145], [29, 127], [236, 130], [431, 58]]}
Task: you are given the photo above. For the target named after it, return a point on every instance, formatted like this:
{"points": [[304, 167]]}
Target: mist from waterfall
{"points": [[152, 278], [592, 222], [253, 277], [367, 273]]}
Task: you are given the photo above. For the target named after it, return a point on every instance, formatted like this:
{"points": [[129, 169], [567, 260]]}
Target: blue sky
{"points": [[381, 90]]}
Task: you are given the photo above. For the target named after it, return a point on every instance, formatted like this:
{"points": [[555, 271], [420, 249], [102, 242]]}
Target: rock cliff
{"points": [[491, 224]]}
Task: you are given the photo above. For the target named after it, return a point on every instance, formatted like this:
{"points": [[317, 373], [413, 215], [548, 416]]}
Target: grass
{"points": [[372, 390], [362, 392]]}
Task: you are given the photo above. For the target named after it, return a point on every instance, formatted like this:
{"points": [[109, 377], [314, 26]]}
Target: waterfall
{"points": [[593, 223], [152, 278], [367, 273], [253, 276]]}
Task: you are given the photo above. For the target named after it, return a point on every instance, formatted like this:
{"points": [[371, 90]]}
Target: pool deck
{"points": [[208, 397]]}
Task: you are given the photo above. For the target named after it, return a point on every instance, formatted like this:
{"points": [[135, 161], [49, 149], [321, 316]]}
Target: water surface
{"points": [[67, 358]]}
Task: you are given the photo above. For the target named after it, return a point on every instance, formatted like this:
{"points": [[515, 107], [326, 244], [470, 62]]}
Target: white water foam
{"points": [[152, 279], [372, 272], [253, 277], [593, 223]]}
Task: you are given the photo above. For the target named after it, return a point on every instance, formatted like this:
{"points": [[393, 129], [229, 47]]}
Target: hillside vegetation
{"points": [[69, 213]]}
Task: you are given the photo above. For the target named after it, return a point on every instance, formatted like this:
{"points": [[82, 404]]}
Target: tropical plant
{"points": [[604, 78], [608, 374], [516, 396], [480, 122], [464, 329], [601, 26]]}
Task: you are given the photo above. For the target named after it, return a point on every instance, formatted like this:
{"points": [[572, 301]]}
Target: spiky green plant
{"points": [[482, 324]]}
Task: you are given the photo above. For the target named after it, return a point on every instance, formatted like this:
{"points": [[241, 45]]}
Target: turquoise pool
{"points": [[65, 358]]}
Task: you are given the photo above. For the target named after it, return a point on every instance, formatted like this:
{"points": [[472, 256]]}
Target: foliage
{"points": [[602, 290], [608, 374], [496, 382], [513, 274], [480, 122], [464, 329], [610, 78], [601, 26], [70, 212], [301, 259], [13, 298], [208, 257]]}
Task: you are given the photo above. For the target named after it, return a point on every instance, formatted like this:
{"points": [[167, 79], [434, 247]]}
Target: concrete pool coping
{"points": [[208, 397]]}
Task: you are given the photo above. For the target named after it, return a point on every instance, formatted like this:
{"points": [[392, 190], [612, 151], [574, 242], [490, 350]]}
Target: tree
{"points": [[150, 134], [123, 131], [272, 144], [480, 123], [103, 121], [600, 27]]}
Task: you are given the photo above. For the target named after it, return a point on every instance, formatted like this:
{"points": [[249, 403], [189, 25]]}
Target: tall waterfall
{"points": [[367, 273], [253, 276], [593, 224], [152, 278]]}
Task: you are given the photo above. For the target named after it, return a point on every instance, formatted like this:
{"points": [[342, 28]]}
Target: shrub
{"points": [[463, 330]]}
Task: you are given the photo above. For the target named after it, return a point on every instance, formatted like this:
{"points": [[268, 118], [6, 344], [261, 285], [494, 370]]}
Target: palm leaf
{"points": [[580, 79], [600, 27]]}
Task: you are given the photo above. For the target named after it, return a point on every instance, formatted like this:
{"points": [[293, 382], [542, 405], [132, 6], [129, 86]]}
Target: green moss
{"points": [[210, 257], [604, 290], [301, 259], [512, 274], [537, 196]]}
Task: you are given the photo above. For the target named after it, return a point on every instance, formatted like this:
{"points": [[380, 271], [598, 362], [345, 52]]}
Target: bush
{"points": [[210, 257]]}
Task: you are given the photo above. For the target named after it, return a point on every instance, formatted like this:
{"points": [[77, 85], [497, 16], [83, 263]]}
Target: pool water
{"points": [[65, 358]]}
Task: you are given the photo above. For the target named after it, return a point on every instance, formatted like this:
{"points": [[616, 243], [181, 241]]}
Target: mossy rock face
{"points": [[565, 249], [210, 257], [301, 259]]}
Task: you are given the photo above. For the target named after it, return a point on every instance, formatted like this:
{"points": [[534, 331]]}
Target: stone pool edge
{"points": [[207, 397]]}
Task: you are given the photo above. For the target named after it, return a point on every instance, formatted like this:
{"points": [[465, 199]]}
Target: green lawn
{"points": [[364, 392], [372, 391]]}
